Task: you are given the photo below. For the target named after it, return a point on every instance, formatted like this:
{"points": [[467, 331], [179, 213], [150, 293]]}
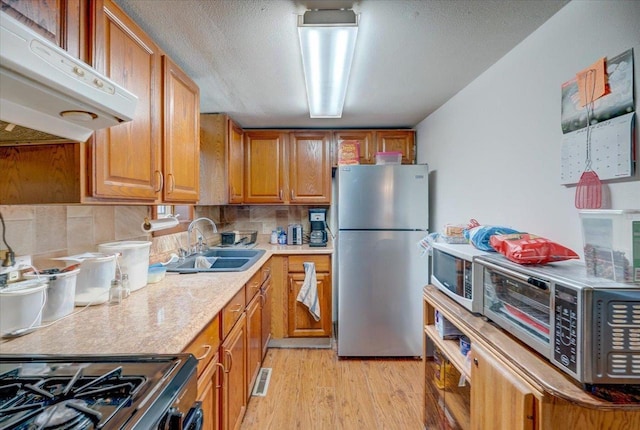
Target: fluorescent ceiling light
{"points": [[327, 42]]}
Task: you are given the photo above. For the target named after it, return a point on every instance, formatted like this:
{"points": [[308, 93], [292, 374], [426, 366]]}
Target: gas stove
{"points": [[141, 392]]}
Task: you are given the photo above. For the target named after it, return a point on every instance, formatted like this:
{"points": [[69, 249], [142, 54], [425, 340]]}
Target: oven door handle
{"points": [[538, 283]]}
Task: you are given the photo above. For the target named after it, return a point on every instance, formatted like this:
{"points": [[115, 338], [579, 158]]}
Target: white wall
{"points": [[494, 148]]}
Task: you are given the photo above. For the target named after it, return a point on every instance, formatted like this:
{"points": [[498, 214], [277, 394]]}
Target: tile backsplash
{"points": [[57, 230]]}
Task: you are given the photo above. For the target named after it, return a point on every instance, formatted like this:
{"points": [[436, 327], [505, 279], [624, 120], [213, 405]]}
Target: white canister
{"points": [[96, 272], [21, 306], [60, 293], [133, 260]]}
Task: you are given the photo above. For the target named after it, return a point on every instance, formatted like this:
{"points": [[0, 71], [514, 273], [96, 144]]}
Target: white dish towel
{"points": [[308, 294]]}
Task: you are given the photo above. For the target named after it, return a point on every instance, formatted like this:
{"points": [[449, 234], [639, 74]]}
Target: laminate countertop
{"points": [[160, 318]]}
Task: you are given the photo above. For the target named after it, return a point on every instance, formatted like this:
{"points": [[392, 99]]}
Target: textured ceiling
{"points": [[411, 56]]}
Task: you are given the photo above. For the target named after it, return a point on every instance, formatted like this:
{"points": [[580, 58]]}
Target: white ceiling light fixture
{"points": [[327, 42]]}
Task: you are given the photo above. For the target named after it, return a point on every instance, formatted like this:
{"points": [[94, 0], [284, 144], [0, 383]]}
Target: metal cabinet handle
{"points": [[208, 349], [237, 309], [160, 181], [280, 194], [475, 361], [291, 193], [221, 375], [263, 299]]}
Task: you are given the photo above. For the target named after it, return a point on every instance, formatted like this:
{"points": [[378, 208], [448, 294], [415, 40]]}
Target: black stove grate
{"points": [[78, 402]]}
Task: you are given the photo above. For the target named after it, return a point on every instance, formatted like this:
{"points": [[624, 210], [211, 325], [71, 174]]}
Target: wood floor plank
{"points": [[313, 389]]}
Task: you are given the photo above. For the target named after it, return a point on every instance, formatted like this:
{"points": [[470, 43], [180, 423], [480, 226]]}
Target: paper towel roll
{"points": [[159, 224]]}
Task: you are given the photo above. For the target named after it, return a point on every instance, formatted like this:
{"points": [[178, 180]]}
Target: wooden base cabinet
{"points": [[234, 385], [300, 322], [509, 386], [254, 339], [209, 394], [265, 314]]}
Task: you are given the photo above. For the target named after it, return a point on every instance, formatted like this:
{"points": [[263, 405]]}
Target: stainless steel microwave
{"points": [[587, 327], [453, 274]]}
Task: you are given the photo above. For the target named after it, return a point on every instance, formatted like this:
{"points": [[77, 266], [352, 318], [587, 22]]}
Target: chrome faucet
{"points": [[200, 246]]}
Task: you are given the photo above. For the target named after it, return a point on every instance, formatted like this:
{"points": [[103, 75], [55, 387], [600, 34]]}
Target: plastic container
{"points": [[388, 157], [21, 306], [611, 240], [133, 260], [156, 273], [61, 293], [96, 272]]}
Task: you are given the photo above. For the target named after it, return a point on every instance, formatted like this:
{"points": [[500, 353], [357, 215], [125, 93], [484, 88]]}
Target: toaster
{"points": [[294, 234]]}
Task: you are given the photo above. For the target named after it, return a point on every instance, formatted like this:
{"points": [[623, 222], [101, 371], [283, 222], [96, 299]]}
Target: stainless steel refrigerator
{"points": [[383, 212]]}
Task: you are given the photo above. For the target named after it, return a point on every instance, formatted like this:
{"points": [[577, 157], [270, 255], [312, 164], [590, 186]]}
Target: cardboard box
{"points": [[445, 329]]}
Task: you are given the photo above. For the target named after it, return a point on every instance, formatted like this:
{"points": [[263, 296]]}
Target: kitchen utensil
{"points": [[589, 189]]}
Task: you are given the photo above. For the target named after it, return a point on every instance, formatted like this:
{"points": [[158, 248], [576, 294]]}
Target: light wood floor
{"points": [[311, 389]]}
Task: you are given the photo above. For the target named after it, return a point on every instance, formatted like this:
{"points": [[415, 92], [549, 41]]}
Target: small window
{"points": [[185, 215]]}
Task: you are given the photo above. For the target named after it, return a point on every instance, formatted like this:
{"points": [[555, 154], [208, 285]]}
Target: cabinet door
{"points": [[365, 142], [264, 167], [235, 163], [63, 22], [266, 315], [500, 399], [209, 394], [397, 141], [301, 323], [310, 167], [181, 140], [254, 346], [233, 356], [126, 157]]}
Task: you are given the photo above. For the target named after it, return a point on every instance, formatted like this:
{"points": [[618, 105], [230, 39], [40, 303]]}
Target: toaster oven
{"points": [[589, 328]]}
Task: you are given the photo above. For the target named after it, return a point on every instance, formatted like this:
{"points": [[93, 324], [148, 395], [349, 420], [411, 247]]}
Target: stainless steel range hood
{"points": [[45, 89]]}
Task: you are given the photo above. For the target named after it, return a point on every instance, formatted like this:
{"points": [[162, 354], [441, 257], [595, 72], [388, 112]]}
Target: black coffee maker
{"points": [[318, 235]]}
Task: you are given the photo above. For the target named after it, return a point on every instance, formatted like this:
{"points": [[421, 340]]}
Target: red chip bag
{"points": [[524, 248]]}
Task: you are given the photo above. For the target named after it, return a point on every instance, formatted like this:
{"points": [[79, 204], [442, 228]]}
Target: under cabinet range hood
{"points": [[45, 90]]}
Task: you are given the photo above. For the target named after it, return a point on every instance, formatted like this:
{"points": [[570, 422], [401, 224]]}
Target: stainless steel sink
{"points": [[221, 260]]}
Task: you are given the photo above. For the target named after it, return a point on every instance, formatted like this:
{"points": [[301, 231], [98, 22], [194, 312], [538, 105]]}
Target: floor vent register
{"points": [[262, 382]]}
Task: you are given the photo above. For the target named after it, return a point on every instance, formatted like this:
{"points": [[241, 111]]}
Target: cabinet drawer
{"points": [[253, 286], [256, 281], [322, 262], [232, 311], [206, 344]]}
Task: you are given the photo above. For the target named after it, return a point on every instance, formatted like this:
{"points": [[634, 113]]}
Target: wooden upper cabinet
{"points": [[126, 157], [63, 22], [364, 139], [310, 167], [397, 141], [221, 160], [264, 172], [181, 138], [235, 162]]}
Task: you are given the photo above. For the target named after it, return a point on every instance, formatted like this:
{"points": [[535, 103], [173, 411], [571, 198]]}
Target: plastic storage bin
{"points": [[61, 293], [96, 272], [21, 306], [133, 260], [611, 240], [388, 157]]}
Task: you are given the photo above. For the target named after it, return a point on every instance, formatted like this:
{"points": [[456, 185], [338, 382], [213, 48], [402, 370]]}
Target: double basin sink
{"points": [[217, 260]]}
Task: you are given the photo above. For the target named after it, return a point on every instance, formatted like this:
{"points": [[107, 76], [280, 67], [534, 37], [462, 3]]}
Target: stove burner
{"points": [[62, 401], [62, 415]]}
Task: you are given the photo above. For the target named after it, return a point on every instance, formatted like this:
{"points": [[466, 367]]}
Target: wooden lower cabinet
{"points": [[209, 394], [234, 384], [265, 296], [508, 386], [300, 322], [254, 341], [500, 399]]}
